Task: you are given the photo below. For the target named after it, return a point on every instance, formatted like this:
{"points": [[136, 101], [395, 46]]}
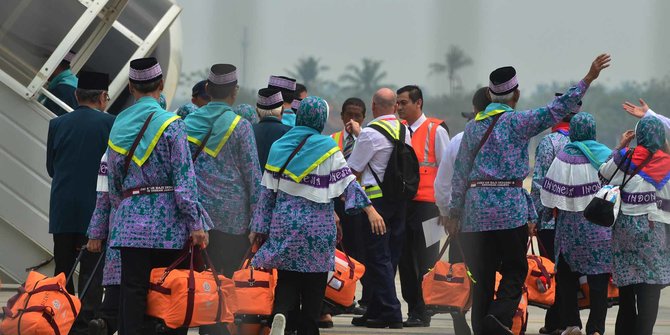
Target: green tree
{"points": [[455, 60], [307, 71], [363, 80]]}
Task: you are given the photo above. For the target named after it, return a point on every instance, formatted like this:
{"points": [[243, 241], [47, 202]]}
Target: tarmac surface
{"points": [[442, 325]]}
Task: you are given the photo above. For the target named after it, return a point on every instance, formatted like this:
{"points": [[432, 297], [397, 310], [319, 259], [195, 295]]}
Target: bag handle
{"points": [[185, 253], [352, 266], [209, 262], [76, 261], [539, 244], [131, 152], [190, 297], [460, 250], [537, 258], [201, 146]]}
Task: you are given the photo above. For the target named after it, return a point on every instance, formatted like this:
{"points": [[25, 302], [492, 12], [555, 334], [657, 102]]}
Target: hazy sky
{"points": [[546, 41]]}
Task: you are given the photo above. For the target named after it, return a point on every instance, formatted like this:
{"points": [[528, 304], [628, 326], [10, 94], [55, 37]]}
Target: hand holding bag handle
{"points": [[460, 250]]}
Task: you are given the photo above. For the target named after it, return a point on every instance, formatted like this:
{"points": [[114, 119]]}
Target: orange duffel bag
{"points": [[341, 287], [255, 289], [188, 298], [42, 307], [447, 287], [520, 318], [541, 278], [584, 299]]}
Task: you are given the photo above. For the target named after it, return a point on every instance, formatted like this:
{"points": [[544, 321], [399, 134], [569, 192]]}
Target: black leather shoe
{"points": [[415, 322], [377, 323], [491, 325], [97, 327], [359, 310], [359, 321], [325, 324], [547, 331]]}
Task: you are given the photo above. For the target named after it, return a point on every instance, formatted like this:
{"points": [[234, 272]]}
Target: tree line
{"points": [[362, 79]]}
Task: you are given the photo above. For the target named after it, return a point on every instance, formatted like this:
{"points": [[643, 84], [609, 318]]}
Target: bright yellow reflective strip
{"points": [[394, 131], [373, 192], [140, 161], [309, 169], [225, 138]]}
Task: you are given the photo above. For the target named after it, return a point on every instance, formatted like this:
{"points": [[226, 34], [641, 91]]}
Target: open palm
{"points": [[635, 110]]}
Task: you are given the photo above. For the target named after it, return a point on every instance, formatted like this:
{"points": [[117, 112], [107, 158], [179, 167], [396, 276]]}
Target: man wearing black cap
{"points": [[226, 167], [546, 151], [75, 144], [269, 128], [199, 98], [152, 190], [62, 84], [490, 209], [287, 86]]}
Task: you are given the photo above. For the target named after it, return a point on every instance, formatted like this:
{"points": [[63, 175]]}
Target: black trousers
{"points": [[136, 266], [66, 250], [488, 252], [638, 309], [383, 255], [461, 326], [353, 240], [109, 310], [569, 281], [227, 251], [416, 259], [552, 319], [305, 290]]}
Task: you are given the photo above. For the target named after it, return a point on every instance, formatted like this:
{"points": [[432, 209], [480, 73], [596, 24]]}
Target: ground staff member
{"points": [[384, 244]]}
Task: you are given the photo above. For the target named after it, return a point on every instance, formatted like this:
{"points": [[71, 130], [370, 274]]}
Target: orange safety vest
{"points": [[338, 137], [423, 142]]}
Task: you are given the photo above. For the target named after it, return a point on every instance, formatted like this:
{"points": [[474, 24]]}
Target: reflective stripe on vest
{"points": [[423, 142], [373, 192], [389, 127], [338, 139]]}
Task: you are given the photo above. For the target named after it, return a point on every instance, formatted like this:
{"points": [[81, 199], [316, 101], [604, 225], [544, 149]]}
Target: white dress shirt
{"points": [[441, 137], [374, 148], [444, 174]]}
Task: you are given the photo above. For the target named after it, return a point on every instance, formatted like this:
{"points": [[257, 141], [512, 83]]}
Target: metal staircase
{"points": [[106, 34]]}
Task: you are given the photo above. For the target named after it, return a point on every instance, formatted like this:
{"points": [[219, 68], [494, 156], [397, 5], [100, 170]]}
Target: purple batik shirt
{"points": [[229, 184], [159, 220], [503, 157], [98, 229], [301, 233]]}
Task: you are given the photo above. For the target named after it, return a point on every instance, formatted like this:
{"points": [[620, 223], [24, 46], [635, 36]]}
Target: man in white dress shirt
{"points": [[383, 242]]}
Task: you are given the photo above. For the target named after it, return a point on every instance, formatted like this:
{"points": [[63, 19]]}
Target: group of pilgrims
{"points": [[226, 178]]}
